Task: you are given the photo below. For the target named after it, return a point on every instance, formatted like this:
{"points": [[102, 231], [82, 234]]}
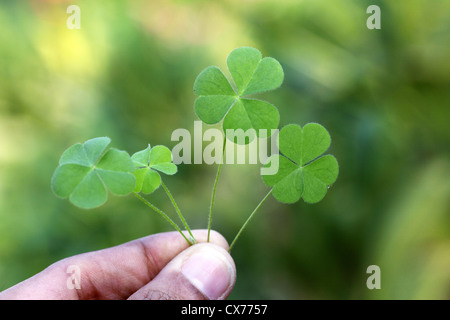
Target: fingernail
{"points": [[209, 271]]}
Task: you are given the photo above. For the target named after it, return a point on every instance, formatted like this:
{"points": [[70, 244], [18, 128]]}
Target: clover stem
{"points": [[165, 216], [214, 189], [178, 211], [248, 220]]}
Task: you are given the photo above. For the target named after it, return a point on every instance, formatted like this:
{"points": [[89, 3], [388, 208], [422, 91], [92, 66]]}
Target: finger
{"points": [[202, 272], [113, 273]]}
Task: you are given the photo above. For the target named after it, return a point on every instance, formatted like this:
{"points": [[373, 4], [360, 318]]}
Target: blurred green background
{"points": [[128, 74]]}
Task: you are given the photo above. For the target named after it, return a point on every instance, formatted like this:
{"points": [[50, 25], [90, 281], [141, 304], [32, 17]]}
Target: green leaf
{"points": [[147, 180], [75, 155], [212, 82], [286, 182], [90, 192], [213, 89], [160, 154], [303, 145], [95, 147], [148, 162], [303, 171], [66, 178], [114, 169], [242, 63], [86, 171], [252, 114], [142, 158], [318, 175], [212, 109], [252, 74]]}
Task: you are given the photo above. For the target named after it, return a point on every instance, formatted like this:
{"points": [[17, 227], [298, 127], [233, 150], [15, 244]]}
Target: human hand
{"points": [[157, 267]]}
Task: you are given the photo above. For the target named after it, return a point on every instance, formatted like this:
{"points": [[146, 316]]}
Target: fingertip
{"points": [[201, 236], [211, 270], [204, 271]]}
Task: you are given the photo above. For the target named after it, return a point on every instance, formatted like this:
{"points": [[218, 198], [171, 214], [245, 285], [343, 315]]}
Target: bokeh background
{"points": [[128, 74]]}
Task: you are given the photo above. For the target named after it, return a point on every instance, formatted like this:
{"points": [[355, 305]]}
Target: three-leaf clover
{"points": [[303, 172], [252, 74], [86, 171], [148, 162]]}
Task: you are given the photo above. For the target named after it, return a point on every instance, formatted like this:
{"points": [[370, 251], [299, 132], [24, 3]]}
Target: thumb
{"points": [[204, 271]]}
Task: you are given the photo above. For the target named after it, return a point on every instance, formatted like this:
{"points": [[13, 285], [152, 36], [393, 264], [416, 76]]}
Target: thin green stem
{"points": [[214, 189], [178, 211], [165, 216], [248, 220]]}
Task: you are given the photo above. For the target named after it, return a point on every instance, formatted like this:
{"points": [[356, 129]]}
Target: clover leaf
{"points": [[86, 171], [302, 172], [252, 74], [148, 162]]}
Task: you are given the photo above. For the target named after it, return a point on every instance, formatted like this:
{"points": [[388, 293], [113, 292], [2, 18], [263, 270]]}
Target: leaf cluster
{"points": [[86, 172], [302, 172]]}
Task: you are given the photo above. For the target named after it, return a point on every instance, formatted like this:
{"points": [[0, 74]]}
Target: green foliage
{"points": [[148, 162], [86, 171], [382, 95], [252, 74], [303, 172]]}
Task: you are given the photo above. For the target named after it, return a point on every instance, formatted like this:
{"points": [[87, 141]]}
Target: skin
{"points": [[149, 268]]}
